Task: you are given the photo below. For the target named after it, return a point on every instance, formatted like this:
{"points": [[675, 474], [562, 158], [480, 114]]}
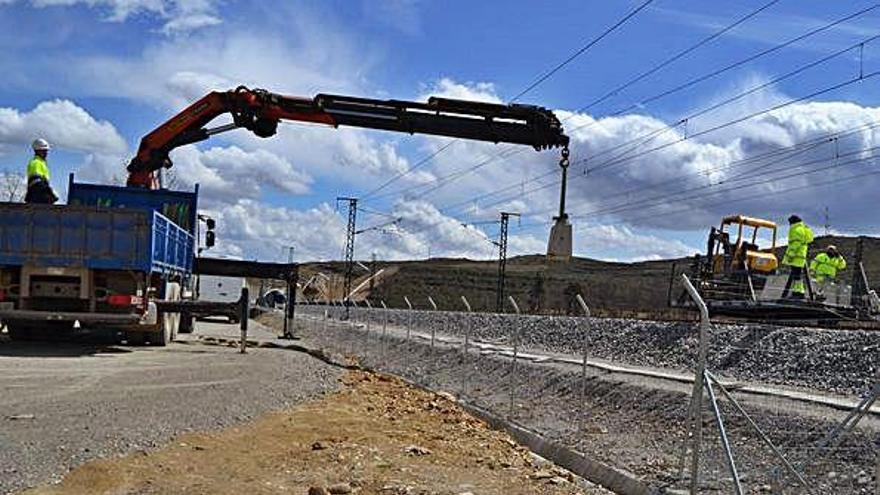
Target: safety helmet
{"points": [[40, 144], [832, 248]]}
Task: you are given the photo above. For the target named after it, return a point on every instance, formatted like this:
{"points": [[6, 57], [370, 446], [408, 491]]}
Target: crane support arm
{"points": [[260, 111]]}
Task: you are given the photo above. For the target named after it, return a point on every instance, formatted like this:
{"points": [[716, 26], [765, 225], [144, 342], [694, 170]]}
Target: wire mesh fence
{"points": [[762, 409]]}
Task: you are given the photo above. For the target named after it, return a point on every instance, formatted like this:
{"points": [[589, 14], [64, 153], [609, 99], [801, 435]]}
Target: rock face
{"points": [[841, 361]]}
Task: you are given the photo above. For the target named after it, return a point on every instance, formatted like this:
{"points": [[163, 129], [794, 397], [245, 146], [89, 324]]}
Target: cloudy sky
{"points": [[736, 125]]}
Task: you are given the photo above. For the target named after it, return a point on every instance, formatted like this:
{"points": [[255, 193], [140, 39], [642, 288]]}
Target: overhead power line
{"points": [[581, 50], [746, 60], [653, 70], [442, 181], [522, 93], [762, 181], [620, 159], [705, 77]]}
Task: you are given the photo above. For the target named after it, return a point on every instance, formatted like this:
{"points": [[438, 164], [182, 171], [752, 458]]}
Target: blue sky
{"points": [[93, 76]]}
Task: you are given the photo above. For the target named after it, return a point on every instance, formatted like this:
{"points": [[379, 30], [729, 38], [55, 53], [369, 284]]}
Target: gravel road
{"points": [[65, 403]]}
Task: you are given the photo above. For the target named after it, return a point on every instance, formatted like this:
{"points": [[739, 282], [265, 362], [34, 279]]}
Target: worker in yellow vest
{"points": [[825, 266], [38, 188], [799, 238]]}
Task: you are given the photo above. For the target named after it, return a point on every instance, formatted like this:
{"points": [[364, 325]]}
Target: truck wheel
{"points": [[162, 335], [135, 338], [187, 323]]}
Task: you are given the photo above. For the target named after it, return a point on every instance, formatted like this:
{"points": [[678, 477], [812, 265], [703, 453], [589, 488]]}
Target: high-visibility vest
{"points": [[799, 238], [827, 266], [37, 168]]}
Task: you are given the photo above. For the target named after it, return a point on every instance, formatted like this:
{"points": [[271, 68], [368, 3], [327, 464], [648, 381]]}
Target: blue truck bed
{"points": [[179, 206], [93, 237]]}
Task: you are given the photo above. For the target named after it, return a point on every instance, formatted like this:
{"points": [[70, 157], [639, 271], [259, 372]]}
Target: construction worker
{"points": [[825, 266], [38, 188], [799, 238]]}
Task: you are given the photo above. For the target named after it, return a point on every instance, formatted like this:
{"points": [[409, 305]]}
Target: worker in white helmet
{"points": [[39, 190]]}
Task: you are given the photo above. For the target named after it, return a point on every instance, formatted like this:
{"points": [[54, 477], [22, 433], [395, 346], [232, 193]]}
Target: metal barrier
{"points": [[637, 398]]}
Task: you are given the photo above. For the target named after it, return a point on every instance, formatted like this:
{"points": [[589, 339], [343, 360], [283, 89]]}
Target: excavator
{"points": [[260, 112]]}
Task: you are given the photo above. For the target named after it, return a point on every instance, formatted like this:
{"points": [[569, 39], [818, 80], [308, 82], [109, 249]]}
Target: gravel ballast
{"points": [[839, 361]]}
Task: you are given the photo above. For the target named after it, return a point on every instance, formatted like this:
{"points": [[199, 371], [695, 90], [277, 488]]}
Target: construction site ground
{"points": [[82, 419]]}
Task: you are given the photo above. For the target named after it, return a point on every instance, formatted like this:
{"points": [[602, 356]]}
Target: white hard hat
{"points": [[40, 144]]}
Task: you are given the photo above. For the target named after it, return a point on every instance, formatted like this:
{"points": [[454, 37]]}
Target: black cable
{"points": [[642, 76], [746, 198], [581, 50], [790, 151], [399, 175], [679, 55], [727, 68], [762, 194], [618, 161], [663, 199], [529, 88], [746, 60]]}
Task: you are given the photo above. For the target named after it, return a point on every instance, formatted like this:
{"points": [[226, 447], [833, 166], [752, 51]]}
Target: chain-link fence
{"points": [[749, 408]]}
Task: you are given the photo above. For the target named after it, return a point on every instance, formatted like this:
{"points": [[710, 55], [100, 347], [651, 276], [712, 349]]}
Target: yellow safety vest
{"points": [[826, 266], [799, 238], [37, 168]]}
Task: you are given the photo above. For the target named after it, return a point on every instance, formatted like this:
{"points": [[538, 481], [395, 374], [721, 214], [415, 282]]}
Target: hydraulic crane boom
{"points": [[260, 111]]}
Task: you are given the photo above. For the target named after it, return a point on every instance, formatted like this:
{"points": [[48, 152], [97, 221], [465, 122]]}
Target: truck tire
{"points": [[187, 323], [135, 338], [162, 335]]}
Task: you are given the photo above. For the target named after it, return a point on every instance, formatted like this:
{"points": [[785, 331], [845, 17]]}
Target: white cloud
{"points": [[227, 174], [63, 123], [448, 88], [255, 230], [179, 16], [628, 245]]}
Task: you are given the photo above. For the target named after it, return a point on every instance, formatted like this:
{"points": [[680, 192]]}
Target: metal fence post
{"points": [[467, 338], [515, 353], [384, 344], [409, 317], [243, 318], [368, 317], [696, 406], [433, 327], [585, 355], [469, 326]]}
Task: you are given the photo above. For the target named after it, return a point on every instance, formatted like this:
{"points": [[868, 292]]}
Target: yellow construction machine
{"points": [[740, 276]]}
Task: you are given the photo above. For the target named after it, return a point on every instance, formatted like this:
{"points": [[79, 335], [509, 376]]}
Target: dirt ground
{"points": [[376, 435]]}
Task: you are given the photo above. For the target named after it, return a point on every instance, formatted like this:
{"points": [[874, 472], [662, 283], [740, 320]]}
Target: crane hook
{"points": [[563, 162]]}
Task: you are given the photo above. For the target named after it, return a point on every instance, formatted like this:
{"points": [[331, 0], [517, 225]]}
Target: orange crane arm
{"points": [[260, 111]]}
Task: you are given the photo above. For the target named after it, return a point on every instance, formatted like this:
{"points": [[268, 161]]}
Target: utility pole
{"points": [[502, 260], [290, 250], [349, 247], [827, 223]]}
